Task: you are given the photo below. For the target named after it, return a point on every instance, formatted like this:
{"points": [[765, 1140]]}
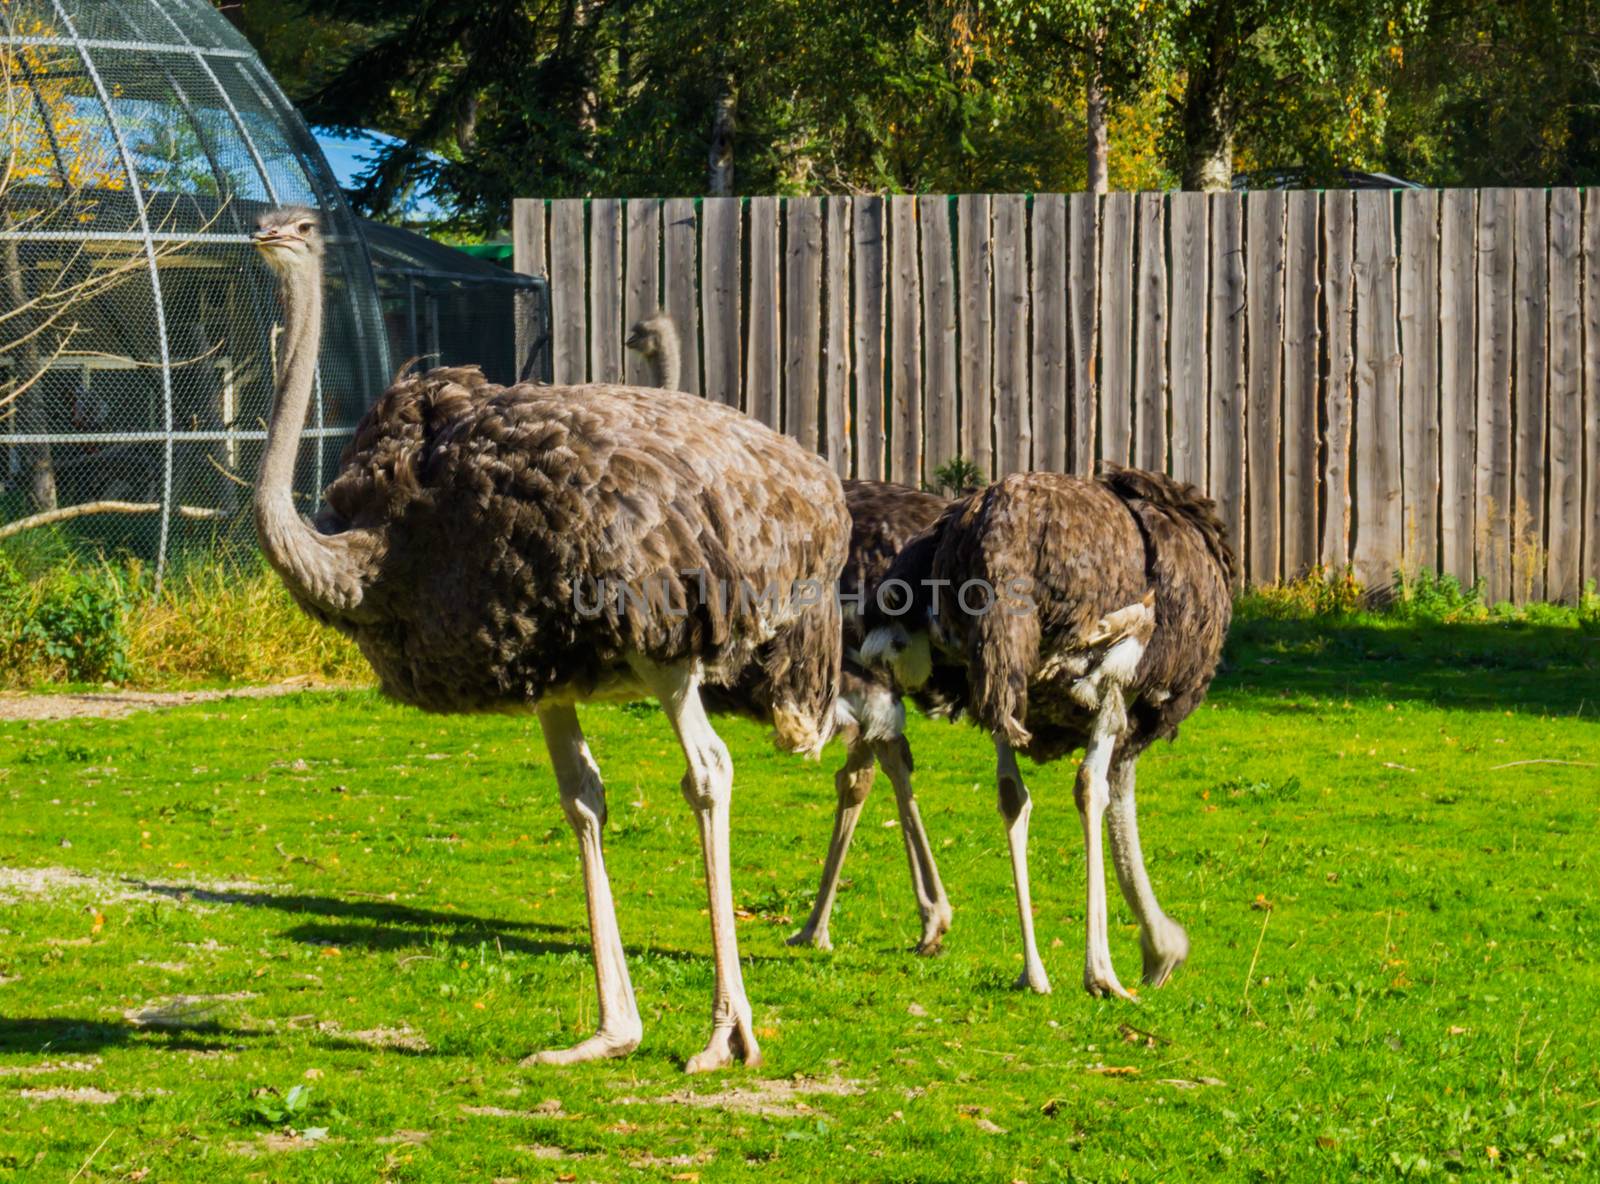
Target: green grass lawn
{"points": [[1393, 919]]}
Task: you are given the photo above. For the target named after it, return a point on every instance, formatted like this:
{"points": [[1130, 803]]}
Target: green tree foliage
{"points": [[499, 98], [1498, 94]]}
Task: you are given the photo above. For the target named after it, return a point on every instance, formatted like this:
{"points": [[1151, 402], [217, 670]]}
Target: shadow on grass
{"points": [[41, 1034], [388, 925], [1487, 666]]}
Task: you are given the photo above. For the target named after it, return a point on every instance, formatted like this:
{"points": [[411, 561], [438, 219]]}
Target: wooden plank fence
{"points": [[1391, 381]]}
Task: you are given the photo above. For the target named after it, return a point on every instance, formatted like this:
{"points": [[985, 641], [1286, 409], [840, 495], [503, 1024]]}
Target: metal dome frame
{"points": [[131, 80]]}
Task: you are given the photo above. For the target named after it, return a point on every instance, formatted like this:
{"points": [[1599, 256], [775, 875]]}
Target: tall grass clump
{"points": [[78, 620], [1321, 594], [222, 621]]}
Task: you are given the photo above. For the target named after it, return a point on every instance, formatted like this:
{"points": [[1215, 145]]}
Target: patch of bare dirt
{"points": [[546, 1151], [772, 1099], [181, 1011], [549, 1108], [672, 1161], [83, 1095], [404, 1039], [49, 1067], [278, 1142], [116, 704], [53, 883]]}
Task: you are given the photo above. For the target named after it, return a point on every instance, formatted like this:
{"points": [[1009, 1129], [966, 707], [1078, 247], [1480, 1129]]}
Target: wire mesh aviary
{"points": [[142, 140]]}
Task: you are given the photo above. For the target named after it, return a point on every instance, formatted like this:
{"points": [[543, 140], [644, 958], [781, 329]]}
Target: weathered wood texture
{"points": [[802, 320], [1458, 417], [762, 399], [905, 332], [1565, 479], [1395, 381], [1493, 477], [1116, 327], [605, 299], [1013, 436], [1083, 303], [1150, 337], [867, 218], [1338, 402], [568, 292], [1264, 230], [977, 332], [719, 298], [1302, 352], [680, 282], [642, 292], [1226, 428], [1419, 380], [1377, 392], [1048, 286], [836, 340], [939, 405], [1530, 282], [1187, 351], [527, 258], [1589, 512]]}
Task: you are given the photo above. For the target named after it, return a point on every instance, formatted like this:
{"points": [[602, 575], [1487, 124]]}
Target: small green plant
{"points": [[957, 477], [1589, 609], [274, 1108], [79, 623], [1427, 596]]}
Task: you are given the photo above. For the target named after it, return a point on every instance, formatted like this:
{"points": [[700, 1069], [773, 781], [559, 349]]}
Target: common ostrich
{"points": [[872, 718], [1080, 613], [468, 545]]}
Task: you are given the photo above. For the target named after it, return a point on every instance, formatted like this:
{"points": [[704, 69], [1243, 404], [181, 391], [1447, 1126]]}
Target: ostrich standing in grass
{"points": [[872, 718], [1079, 613], [467, 545]]}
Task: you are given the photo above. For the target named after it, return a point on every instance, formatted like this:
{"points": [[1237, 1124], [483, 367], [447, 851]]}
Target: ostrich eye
{"points": [[304, 228]]}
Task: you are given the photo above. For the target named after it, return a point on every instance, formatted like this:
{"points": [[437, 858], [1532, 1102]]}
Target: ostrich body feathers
{"points": [[1083, 572], [535, 538]]}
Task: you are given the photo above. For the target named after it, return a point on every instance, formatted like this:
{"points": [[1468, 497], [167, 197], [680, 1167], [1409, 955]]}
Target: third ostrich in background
{"points": [[872, 718], [1078, 613]]}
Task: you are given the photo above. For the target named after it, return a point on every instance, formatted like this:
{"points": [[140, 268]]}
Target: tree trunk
{"points": [[719, 178], [1094, 107], [39, 471], [1208, 109]]}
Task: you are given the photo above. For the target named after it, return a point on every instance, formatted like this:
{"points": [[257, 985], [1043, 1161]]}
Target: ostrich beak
{"points": [[635, 339], [272, 236]]}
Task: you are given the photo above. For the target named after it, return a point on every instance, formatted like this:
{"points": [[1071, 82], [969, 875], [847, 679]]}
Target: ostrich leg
{"points": [[1161, 939], [1093, 793], [1016, 804], [583, 797], [852, 782], [708, 788], [932, 904]]}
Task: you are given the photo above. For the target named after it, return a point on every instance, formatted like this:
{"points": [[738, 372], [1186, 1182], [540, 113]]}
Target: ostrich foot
{"points": [[1033, 979], [1102, 983], [597, 1047], [934, 927], [816, 938], [734, 1041], [1165, 949]]}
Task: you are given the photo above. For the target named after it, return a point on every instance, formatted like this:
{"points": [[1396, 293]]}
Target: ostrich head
{"points": [[289, 238], [649, 335], [905, 652]]}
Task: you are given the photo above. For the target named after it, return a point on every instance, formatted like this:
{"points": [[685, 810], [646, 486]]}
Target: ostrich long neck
{"points": [[667, 361], [324, 569]]}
